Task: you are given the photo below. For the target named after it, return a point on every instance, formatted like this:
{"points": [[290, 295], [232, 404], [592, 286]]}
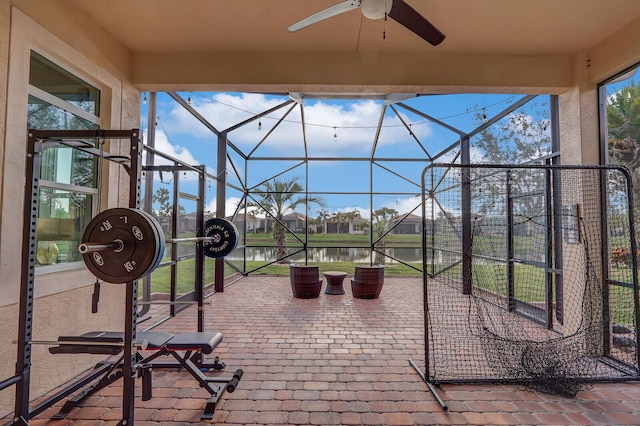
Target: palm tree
{"points": [[351, 218], [277, 198], [338, 218], [324, 216], [161, 196], [623, 125], [382, 219]]}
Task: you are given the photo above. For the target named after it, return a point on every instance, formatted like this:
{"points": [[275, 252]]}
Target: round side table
{"points": [[334, 282]]}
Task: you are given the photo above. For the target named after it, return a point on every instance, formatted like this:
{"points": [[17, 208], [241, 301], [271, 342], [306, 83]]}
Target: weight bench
{"points": [[186, 348]]}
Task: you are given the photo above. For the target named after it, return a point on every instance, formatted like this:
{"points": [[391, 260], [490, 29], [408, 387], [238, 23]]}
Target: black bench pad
{"points": [[203, 342], [154, 339]]}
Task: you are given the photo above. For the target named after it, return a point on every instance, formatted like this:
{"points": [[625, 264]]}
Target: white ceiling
{"points": [[516, 46], [487, 27]]}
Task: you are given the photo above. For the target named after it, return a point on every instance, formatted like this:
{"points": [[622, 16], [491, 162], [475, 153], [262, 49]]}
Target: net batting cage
{"points": [[529, 276]]}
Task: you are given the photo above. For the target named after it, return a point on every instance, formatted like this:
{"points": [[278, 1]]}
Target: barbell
{"points": [[71, 342], [120, 245]]}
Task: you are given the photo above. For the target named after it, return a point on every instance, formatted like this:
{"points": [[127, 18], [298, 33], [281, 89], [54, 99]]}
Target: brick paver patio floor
{"points": [[338, 360]]}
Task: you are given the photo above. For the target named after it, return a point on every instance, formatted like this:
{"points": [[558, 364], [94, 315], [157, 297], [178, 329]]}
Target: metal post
{"points": [[465, 158], [221, 196], [634, 260], [557, 208], [425, 288], [548, 247], [129, 356], [173, 292], [306, 211], [25, 327], [371, 238], [199, 260], [430, 385], [148, 188], [511, 294], [130, 352]]}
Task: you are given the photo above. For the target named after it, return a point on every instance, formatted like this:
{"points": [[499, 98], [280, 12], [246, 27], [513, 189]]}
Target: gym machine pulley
{"points": [[120, 245]]}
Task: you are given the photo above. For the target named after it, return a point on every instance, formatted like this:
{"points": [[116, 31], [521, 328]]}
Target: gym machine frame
{"points": [[38, 141], [198, 291]]}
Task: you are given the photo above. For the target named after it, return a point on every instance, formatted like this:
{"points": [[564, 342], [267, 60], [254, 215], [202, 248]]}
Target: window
{"points": [[620, 97], [58, 100]]}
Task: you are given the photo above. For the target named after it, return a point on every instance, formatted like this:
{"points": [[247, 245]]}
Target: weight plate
{"points": [[160, 239], [153, 235], [140, 245], [224, 237]]}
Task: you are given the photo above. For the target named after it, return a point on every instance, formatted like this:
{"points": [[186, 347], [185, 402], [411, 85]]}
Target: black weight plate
{"points": [[224, 237], [151, 223], [160, 239], [140, 245]]}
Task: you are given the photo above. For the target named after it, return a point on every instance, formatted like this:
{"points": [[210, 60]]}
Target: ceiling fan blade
{"points": [[327, 13], [405, 15]]}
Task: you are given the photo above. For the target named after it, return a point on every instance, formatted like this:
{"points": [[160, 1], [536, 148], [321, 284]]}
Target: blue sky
{"points": [[335, 129]]}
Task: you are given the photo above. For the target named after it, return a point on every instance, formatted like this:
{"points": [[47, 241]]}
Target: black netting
{"points": [[518, 289]]}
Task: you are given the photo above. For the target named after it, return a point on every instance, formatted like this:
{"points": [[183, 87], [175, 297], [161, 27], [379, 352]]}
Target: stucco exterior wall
{"points": [[4, 70], [63, 299], [579, 137], [618, 52]]}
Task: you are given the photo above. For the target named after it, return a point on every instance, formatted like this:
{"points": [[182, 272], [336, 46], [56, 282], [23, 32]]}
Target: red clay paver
{"points": [[337, 360]]}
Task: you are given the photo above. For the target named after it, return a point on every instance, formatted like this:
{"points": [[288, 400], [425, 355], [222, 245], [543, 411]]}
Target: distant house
{"points": [[187, 222], [359, 226], [253, 223], [337, 228], [407, 224], [356, 226], [295, 222]]}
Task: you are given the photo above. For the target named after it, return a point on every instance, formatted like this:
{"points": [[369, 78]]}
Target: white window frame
{"points": [[47, 97], [27, 35]]}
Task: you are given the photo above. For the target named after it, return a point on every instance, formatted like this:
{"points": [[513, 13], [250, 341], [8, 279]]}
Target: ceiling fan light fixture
{"points": [[397, 10], [376, 9]]}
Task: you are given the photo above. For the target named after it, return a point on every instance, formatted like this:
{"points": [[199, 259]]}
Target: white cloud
{"points": [[332, 128], [230, 205], [405, 205], [163, 145], [222, 110]]}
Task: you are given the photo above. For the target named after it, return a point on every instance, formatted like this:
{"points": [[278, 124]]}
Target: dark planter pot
{"points": [[367, 282], [305, 281]]}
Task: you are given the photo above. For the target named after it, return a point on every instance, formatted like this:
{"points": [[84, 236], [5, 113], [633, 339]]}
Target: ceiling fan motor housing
{"points": [[376, 9]]}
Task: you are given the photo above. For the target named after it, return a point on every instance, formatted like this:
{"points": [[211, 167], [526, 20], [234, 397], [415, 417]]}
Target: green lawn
{"points": [[161, 277], [394, 269], [529, 280], [335, 239]]}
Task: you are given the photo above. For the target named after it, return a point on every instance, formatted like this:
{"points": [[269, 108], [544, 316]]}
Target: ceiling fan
{"points": [[397, 10]]}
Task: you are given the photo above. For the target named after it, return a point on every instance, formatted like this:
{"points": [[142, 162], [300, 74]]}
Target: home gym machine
{"points": [[118, 246]]}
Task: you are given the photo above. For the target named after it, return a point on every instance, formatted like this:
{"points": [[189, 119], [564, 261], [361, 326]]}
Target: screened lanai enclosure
{"points": [[523, 282], [336, 179]]}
